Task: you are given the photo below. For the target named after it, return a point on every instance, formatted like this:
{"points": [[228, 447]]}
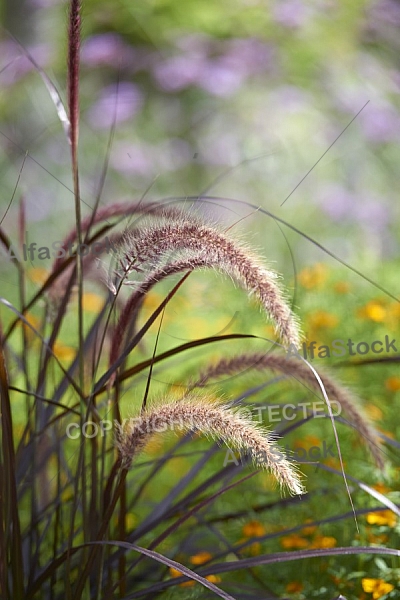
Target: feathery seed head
{"points": [[214, 420], [299, 371], [186, 239]]}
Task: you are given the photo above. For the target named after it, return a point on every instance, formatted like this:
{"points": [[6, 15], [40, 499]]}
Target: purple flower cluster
{"points": [[341, 204], [116, 104], [219, 68]]}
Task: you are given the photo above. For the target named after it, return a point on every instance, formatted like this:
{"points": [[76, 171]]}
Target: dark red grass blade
{"points": [[11, 535]]}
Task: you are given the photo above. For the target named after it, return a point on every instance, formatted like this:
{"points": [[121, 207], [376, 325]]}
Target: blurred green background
{"points": [[240, 99], [291, 106]]}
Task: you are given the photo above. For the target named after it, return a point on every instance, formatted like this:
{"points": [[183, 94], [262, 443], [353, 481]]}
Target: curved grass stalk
{"points": [[215, 420], [300, 371], [190, 238]]}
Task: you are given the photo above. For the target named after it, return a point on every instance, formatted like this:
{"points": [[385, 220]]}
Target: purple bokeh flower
{"points": [[386, 11], [146, 160], [341, 204], [106, 49], [248, 56], [178, 72], [290, 98], [218, 67], [380, 123], [338, 202], [44, 3], [133, 159], [292, 13], [373, 213], [117, 102], [220, 79]]}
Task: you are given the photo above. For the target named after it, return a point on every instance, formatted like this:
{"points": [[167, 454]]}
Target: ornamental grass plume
{"points": [[112, 211], [149, 247], [103, 242], [212, 418], [130, 311], [299, 370]]}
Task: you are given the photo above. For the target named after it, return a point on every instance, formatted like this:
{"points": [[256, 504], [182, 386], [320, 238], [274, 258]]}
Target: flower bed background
{"points": [[224, 109]]}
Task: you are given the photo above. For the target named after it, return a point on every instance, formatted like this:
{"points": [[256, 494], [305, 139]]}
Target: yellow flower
{"points": [[253, 529], [323, 541], [200, 558], [307, 442], [213, 578], [152, 300], [313, 277], [254, 549], [130, 520], [293, 541], [382, 517], [67, 495], [38, 275], [176, 573], [63, 352], [322, 320], [35, 322], [92, 302], [393, 384], [395, 309], [308, 529], [334, 463], [376, 587], [210, 578], [341, 287], [373, 311], [377, 539], [293, 587], [381, 487], [374, 412]]}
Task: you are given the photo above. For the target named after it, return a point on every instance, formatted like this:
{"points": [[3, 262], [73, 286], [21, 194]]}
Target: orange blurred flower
{"points": [[35, 322], [308, 529], [294, 541], [176, 573], [92, 302], [373, 311], [342, 287], [376, 587], [322, 320], [200, 558], [393, 384], [374, 412], [294, 586], [381, 487], [323, 541], [377, 539], [313, 277], [63, 352], [213, 578], [253, 529], [38, 275], [382, 517]]}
